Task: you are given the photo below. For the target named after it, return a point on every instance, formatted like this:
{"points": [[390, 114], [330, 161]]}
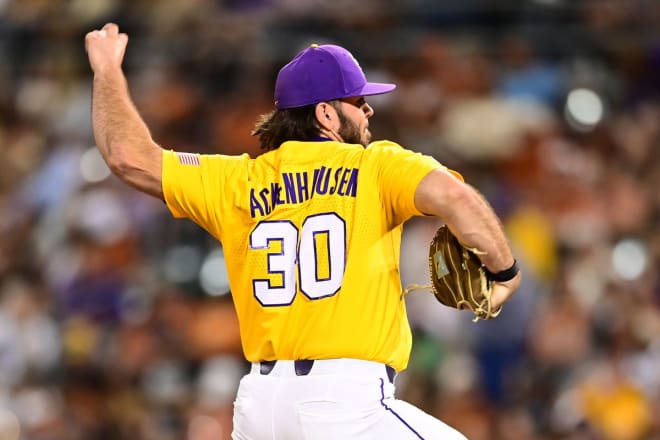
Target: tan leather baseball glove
{"points": [[458, 277]]}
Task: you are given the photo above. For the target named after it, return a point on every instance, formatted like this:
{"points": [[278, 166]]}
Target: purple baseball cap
{"points": [[323, 73]]}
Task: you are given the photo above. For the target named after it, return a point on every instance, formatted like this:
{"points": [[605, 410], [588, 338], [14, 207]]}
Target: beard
{"points": [[350, 132]]}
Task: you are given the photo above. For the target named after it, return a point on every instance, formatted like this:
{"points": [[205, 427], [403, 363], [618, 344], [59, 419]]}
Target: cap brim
{"points": [[376, 89]]}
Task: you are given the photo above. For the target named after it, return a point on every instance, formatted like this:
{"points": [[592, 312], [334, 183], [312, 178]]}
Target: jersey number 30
{"points": [[297, 263]]}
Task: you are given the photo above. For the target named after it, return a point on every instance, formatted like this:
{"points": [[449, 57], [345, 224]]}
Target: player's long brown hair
{"points": [[289, 124]]}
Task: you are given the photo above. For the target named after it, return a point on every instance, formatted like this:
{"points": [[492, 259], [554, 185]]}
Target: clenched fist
{"points": [[106, 48]]}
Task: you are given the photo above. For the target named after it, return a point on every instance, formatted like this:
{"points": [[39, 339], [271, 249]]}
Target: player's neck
{"points": [[331, 134]]}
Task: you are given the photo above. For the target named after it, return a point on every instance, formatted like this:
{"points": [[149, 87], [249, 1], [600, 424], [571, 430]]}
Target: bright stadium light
{"points": [[181, 263], [213, 276], [629, 259], [92, 166], [584, 109]]}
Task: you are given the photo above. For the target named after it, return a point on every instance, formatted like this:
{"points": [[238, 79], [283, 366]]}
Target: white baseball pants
{"points": [[334, 399]]}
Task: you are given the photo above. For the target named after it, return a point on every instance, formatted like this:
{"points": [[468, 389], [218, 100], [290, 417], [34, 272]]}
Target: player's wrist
{"points": [[505, 275], [108, 71]]}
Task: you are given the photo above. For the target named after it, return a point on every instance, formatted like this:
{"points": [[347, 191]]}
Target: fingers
{"points": [[499, 295], [110, 29], [502, 292]]}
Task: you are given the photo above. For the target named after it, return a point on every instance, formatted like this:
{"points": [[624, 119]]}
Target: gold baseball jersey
{"points": [[311, 234]]}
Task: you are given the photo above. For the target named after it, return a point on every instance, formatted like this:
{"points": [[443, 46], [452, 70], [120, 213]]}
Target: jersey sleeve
{"points": [[399, 172], [195, 186]]}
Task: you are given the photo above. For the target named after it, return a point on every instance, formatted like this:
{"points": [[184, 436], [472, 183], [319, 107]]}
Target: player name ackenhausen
{"points": [[300, 186]]}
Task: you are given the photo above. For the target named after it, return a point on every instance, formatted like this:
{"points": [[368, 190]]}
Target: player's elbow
{"points": [[128, 166], [140, 167], [119, 161], [127, 160], [441, 194]]}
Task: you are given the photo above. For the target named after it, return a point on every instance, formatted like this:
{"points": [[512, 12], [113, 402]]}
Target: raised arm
{"points": [[121, 135], [473, 221]]}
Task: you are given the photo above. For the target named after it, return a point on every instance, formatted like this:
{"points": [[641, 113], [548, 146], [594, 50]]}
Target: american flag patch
{"points": [[188, 158]]}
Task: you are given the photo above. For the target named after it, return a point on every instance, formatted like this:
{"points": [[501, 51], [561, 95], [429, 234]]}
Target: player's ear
{"points": [[326, 115]]}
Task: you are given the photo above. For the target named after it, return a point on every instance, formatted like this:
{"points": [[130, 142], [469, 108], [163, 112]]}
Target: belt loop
{"points": [[303, 367], [391, 373], [265, 367]]}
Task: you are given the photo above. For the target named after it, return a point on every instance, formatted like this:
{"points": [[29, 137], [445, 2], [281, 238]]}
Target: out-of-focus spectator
{"points": [[113, 322], [29, 336]]}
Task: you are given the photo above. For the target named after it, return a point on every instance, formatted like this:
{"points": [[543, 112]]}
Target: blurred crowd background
{"points": [[115, 322]]}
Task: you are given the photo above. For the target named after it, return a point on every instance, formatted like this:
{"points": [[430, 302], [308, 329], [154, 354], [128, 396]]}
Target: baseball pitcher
{"points": [[311, 232]]}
